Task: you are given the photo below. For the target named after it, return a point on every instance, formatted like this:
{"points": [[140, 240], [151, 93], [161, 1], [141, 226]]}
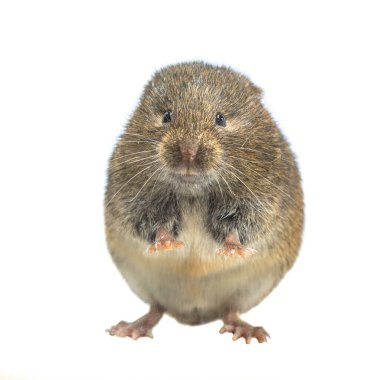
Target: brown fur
{"points": [[246, 180]]}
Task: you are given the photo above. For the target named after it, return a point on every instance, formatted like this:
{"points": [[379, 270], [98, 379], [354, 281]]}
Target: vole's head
{"points": [[197, 117]]}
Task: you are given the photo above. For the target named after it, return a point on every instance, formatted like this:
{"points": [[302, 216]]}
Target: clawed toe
{"points": [[234, 250], [227, 328], [119, 330], [245, 331], [124, 329], [165, 245]]}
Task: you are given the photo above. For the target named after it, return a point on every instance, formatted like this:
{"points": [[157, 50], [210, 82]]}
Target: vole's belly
{"points": [[193, 284]]}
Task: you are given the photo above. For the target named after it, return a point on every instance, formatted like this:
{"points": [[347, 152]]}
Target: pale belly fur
{"points": [[194, 284]]}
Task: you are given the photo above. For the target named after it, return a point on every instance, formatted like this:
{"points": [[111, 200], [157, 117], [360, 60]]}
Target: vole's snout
{"points": [[189, 159], [188, 151]]}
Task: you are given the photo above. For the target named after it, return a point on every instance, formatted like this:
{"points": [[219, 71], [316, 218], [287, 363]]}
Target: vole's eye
{"points": [[167, 118], [220, 120]]}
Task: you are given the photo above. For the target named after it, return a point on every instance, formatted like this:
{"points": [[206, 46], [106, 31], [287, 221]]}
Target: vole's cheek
{"points": [[169, 153], [212, 154]]}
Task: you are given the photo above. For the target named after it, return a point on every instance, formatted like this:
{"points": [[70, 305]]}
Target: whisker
{"points": [[126, 183], [221, 192], [140, 135], [260, 207], [241, 181], [145, 184], [253, 162], [262, 176], [141, 141], [268, 180], [156, 181], [149, 163], [228, 186], [132, 160], [266, 153], [247, 139], [132, 154]]}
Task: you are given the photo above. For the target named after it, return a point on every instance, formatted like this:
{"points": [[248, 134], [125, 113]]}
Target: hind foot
{"points": [[142, 327], [241, 329]]}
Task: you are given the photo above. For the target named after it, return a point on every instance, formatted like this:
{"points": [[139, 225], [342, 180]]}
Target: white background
{"points": [[71, 74]]}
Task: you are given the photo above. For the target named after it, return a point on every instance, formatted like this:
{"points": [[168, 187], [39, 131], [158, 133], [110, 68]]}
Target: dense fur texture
{"points": [[244, 179]]}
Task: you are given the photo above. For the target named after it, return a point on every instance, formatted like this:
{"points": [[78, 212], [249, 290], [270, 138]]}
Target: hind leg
{"points": [[141, 327], [241, 329]]}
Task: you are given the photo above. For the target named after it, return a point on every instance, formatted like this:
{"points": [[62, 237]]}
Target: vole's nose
{"points": [[188, 151]]}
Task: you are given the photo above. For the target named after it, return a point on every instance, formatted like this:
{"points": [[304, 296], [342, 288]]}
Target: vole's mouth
{"points": [[192, 178], [187, 176]]}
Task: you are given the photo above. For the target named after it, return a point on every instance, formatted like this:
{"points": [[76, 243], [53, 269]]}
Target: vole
{"points": [[204, 205]]}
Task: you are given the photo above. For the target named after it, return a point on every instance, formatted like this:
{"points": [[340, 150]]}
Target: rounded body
{"points": [[246, 181]]}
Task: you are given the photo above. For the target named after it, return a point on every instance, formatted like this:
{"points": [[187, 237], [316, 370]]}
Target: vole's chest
{"points": [[198, 257], [194, 234]]}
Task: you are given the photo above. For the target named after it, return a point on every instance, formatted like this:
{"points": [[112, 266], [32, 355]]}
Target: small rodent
{"points": [[204, 206]]}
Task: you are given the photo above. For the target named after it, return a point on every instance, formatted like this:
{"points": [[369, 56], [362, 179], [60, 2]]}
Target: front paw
{"points": [[164, 242], [233, 247], [230, 249], [165, 245]]}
